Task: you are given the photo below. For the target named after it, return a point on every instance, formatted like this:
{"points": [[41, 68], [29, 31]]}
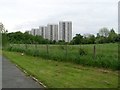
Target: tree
{"points": [[77, 39], [98, 35], [3, 35], [101, 40], [62, 42], [104, 32], [91, 39], [118, 38], [2, 29], [112, 36], [25, 38], [88, 39]]}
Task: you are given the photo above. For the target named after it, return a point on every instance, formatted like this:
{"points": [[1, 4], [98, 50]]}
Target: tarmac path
{"points": [[12, 77]]}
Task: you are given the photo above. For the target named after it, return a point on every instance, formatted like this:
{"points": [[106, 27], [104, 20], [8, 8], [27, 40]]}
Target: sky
{"points": [[87, 16]]}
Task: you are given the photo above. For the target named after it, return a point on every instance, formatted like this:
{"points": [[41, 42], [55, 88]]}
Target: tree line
{"points": [[103, 36]]}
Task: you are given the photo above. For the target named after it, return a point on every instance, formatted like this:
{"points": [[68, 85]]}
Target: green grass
{"points": [[106, 54], [56, 74]]}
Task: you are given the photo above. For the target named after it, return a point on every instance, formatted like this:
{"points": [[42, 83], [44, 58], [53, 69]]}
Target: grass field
{"points": [[106, 55], [56, 74]]}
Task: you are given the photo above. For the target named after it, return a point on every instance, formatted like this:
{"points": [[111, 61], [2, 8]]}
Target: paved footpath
{"points": [[12, 77]]}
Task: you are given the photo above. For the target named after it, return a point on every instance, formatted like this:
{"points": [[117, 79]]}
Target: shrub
{"points": [[82, 51], [62, 47], [9, 48], [36, 53]]}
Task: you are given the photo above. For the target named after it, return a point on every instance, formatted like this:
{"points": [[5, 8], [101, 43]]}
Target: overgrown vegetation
{"points": [[105, 56]]}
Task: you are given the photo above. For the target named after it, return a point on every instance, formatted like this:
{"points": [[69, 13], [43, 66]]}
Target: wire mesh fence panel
{"points": [[56, 52], [100, 55]]}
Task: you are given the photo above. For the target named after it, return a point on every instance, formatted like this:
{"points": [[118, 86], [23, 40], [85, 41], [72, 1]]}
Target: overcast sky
{"points": [[87, 16]]}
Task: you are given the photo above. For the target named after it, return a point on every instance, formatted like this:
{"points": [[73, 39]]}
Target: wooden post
{"points": [[94, 51]]}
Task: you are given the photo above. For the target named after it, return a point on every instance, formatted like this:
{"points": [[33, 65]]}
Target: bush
{"points": [[36, 53], [82, 51], [62, 47], [9, 48]]}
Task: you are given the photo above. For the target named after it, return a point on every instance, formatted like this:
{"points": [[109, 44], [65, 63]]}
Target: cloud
{"points": [[87, 16]]}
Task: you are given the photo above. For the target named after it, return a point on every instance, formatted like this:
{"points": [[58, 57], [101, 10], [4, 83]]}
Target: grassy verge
{"points": [[63, 75]]}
